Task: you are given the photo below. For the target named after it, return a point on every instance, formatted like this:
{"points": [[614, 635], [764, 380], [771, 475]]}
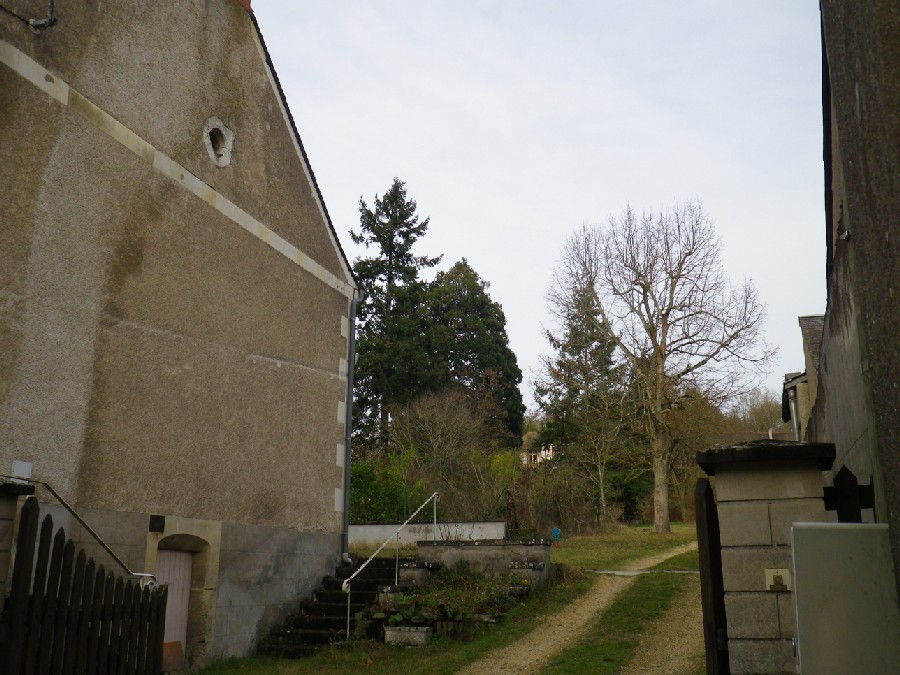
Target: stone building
{"points": [[856, 404], [174, 304], [809, 533]]}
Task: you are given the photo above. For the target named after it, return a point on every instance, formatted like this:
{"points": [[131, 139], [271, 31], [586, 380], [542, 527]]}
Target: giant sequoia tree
{"points": [[677, 320], [471, 350]]}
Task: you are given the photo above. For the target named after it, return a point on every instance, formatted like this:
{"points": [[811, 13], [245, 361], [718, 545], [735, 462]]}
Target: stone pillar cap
{"points": [[15, 489], [768, 451]]}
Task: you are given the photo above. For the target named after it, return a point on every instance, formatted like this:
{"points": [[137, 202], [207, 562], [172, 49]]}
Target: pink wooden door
{"points": [[174, 568]]}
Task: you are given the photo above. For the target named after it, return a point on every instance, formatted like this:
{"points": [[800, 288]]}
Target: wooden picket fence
{"points": [[65, 615]]}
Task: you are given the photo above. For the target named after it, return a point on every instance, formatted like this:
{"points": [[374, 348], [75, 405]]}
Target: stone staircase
{"points": [[323, 619]]}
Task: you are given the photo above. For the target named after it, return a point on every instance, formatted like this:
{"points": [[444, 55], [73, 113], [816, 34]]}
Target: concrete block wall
{"points": [[264, 573], [757, 505], [762, 488]]}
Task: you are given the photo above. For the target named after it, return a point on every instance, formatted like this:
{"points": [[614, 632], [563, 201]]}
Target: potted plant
{"points": [[407, 624]]}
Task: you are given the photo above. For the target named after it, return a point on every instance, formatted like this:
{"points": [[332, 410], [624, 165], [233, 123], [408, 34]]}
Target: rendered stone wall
{"points": [[526, 560], [244, 580], [858, 399], [372, 535], [10, 497], [174, 331]]}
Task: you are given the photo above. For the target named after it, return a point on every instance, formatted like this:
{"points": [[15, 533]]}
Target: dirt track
{"points": [[565, 628]]}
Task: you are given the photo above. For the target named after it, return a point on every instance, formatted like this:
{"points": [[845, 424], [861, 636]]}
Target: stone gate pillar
{"points": [[762, 488], [10, 493]]}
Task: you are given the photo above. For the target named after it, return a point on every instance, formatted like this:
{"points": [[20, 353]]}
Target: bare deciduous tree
{"points": [[676, 318], [579, 388], [760, 411]]}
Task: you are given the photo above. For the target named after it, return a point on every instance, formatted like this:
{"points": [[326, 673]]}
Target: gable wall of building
{"points": [[177, 329]]}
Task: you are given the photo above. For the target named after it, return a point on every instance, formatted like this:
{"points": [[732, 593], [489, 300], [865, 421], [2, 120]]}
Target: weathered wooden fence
{"points": [[65, 615]]}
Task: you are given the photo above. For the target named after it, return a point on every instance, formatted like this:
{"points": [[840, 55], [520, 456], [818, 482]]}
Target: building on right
{"points": [[847, 573], [800, 541], [855, 402]]}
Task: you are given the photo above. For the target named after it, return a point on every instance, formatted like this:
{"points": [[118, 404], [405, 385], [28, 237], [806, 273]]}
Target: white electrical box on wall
{"points": [[845, 596], [21, 469]]}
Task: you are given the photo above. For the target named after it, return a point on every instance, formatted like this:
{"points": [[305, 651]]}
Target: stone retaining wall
{"points": [[527, 560]]}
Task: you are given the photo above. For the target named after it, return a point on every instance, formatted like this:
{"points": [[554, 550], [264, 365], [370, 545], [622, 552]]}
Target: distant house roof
{"points": [[812, 327]]}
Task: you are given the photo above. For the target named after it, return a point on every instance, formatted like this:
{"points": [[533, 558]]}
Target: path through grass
{"points": [[614, 635]]}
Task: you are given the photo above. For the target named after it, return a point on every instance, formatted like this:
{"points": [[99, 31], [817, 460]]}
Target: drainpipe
{"points": [[348, 424], [795, 415]]}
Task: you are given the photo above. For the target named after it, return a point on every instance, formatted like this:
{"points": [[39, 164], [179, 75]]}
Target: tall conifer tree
{"points": [[392, 367]]}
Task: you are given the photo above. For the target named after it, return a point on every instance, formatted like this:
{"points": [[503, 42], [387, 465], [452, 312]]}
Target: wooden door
{"points": [[174, 569]]}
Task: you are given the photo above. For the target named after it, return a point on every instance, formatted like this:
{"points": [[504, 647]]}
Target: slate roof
{"points": [[812, 327]]}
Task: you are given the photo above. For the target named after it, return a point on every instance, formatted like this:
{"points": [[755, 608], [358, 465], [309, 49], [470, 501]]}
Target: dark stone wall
{"points": [[858, 404]]}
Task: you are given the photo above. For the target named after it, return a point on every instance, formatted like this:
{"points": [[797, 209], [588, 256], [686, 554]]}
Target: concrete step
{"points": [[338, 597], [323, 620], [357, 585], [299, 622], [331, 608], [304, 636]]}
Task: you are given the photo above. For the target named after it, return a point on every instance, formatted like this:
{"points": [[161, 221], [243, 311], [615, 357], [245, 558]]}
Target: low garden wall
{"points": [[529, 561], [372, 535]]}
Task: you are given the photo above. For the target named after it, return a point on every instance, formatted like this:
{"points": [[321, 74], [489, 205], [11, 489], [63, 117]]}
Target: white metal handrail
{"points": [[345, 585]]}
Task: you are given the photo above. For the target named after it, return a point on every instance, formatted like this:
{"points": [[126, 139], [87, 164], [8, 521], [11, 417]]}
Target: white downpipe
{"points": [[348, 423]]}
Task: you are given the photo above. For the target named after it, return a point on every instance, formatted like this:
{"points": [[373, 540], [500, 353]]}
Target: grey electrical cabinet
{"points": [[845, 598]]}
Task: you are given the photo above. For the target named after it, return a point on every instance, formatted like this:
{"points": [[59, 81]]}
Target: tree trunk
{"points": [[660, 494], [602, 496], [661, 447]]}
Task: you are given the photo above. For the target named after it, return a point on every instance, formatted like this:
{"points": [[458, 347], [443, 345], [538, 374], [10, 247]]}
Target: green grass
{"points": [[685, 561], [611, 550], [608, 550], [614, 636]]}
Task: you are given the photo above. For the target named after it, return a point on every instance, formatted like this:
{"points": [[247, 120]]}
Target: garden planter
{"points": [[410, 636]]}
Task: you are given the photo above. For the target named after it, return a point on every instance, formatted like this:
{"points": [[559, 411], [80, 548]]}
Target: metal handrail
{"points": [[146, 576], [345, 585]]}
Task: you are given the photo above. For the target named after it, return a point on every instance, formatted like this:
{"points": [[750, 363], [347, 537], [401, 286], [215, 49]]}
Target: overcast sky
{"points": [[514, 122]]}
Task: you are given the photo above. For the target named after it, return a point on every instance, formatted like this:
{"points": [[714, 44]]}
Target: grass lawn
{"points": [[603, 551], [610, 550]]}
